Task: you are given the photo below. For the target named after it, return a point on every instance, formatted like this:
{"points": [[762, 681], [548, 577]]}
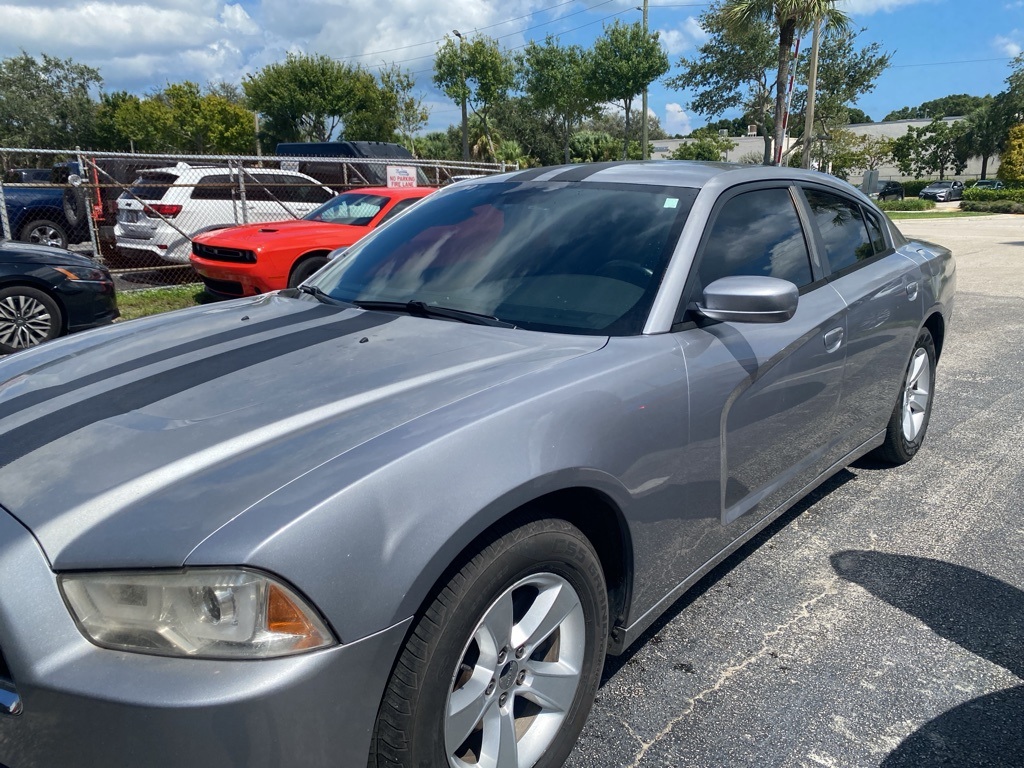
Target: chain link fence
{"points": [[139, 213]]}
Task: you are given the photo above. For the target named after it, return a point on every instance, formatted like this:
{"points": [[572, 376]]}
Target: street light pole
{"points": [[643, 116], [812, 86], [465, 117]]}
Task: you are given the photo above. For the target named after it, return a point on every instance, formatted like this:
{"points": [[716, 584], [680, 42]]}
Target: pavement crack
{"points": [[803, 612]]}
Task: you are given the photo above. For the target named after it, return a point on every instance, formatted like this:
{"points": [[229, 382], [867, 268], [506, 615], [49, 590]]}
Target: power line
{"points": [[944, 63]]}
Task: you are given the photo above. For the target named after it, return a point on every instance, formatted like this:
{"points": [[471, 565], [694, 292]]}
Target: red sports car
{"points": [[252, 259]]}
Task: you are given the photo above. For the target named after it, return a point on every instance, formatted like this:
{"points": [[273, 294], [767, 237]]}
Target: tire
{"points": [[44, 232], [28, 316], [908, 424], [461, 682], [302, 271], [75, 206]]}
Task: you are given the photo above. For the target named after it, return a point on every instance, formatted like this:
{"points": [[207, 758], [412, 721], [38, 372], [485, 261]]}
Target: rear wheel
{"points": [[502, 668], [27, 317], [909, 421], [304, 269], [44, 232]]}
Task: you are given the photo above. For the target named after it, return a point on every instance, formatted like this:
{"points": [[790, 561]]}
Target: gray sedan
{"points": [[400, 515]]}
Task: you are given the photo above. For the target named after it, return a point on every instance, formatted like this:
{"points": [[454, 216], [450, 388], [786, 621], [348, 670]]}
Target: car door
{"points": [[879, 287], [763, 397]]}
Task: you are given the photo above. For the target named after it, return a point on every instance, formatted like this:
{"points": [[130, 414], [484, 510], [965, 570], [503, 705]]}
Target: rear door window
{"points": [[151, 186], [843, 230], [215, 187]]}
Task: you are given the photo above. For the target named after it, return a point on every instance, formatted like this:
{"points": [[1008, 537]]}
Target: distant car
{"points": [[166, 207], [943, 191], [987, 184], [245, 261], [887, 190], [48, 292]]}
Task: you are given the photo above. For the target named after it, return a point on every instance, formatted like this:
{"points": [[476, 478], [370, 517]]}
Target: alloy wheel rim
{"points": [[916, 394], [517, 676], [46, 236], [24, 321]]}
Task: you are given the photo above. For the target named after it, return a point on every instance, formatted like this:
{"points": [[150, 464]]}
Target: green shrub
{"points": [[991, 195], [996, 206], [909, 204]]}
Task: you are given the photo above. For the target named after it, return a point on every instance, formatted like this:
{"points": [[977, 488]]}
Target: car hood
{"points": [[255, 235], [28, 253], [129, 446]]}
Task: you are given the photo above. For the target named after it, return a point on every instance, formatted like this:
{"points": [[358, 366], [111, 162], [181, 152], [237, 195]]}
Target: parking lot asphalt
{"points": [[881, 621]]}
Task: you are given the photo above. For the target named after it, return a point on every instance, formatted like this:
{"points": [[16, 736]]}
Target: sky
{"points": [[940, 47]]}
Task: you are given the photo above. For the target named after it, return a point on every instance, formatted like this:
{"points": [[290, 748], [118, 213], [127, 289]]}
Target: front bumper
{"points": [[88, 707], [88, 304], [238, 279]]}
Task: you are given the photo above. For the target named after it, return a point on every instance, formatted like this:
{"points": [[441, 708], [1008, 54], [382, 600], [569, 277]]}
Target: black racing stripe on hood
{"points": [[244, 329], [581, 172], [28, 437]]}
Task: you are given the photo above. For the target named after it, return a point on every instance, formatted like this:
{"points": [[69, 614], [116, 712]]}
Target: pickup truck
{"points": [[40, 214]]}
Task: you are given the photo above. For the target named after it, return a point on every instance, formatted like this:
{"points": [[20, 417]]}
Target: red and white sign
{"points": [[401, 176]]}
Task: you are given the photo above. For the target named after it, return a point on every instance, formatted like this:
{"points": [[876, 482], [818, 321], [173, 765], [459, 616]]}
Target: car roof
{"points": [[398, 192], [672, 173], [184, 170]]}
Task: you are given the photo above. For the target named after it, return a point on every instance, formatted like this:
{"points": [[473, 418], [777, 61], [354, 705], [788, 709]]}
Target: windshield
{"points": [[354, 208], [583, 258], [941, 185]]}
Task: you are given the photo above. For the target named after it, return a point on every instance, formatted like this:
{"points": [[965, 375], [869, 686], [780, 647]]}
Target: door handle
{"points": [[911, 291], [833, 339]]}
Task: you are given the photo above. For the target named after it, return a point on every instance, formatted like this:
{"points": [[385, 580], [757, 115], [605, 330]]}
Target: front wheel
{"points": [[909, 420], [502, 668], [27, 317], [304, 270], [44, 232]]}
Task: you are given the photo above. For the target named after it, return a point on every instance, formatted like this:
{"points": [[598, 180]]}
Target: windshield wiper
{"points": [[422, 309], [322, 296]]}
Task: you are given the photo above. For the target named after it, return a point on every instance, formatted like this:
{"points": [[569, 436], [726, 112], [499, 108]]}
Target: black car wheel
{"points": [[44, 232], [75, 205], [502, 668], [909, 421], [305, 269], [27, 317]]}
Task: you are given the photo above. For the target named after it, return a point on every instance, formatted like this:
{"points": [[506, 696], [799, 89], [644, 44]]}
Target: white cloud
{"points": [[676, 120], [867, 7], [688, 35], [1008, 45]]}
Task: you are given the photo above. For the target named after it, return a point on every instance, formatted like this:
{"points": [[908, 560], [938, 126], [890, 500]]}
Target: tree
{"points": [[857, 116], [731, 70], [1011, 166], [315, 98], [845, 73], [956, 105], [624, 61], [933, 148], [46, 103], [180, 118], [594, 147], [410, 114], [538, 131], [555, 79], [706, 145], [986, 130], [736, 127], [790, 18], [477, 71]]}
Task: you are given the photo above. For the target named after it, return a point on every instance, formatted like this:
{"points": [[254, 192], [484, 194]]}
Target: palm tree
{"points": [[790, 17]]}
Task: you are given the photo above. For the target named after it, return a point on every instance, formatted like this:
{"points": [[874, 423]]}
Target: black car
{"points": [[48, 292], [888, 190]]}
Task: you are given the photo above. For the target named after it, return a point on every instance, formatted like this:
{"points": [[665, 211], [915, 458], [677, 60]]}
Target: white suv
{"points": [[166, 207]]}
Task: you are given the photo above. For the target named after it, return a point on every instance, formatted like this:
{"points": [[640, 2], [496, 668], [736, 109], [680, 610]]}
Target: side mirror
{"points": [[748, 299]]}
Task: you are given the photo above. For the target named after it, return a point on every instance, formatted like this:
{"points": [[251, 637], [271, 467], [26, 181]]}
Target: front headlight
{"points": [[202, 613], [85, 274]]}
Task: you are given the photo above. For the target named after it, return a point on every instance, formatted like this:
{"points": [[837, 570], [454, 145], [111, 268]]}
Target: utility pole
{"points": [[643, 116], [812, 86], [465, 117]]}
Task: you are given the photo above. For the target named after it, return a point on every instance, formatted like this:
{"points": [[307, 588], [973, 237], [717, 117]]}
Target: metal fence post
{"points": [[3, 215], [241, 193], [89, 202]]}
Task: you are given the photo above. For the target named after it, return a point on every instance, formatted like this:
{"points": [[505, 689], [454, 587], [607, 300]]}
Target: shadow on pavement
{"points": [[977, 612]]}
